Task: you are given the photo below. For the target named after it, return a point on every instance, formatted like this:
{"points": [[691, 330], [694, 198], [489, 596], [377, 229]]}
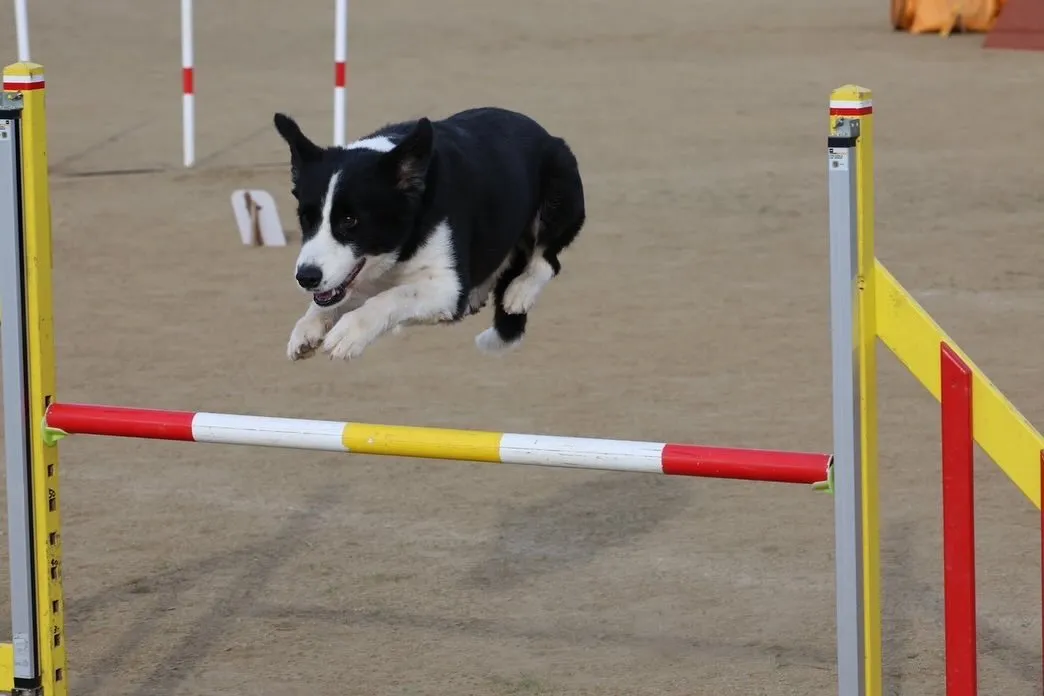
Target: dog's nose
{"points": [[309, 276]]}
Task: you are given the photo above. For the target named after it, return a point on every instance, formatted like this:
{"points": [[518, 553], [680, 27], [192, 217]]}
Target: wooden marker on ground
{"points": [[257, 218]]}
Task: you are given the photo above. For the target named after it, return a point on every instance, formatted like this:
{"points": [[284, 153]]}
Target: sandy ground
{"points": [[693, 308]]}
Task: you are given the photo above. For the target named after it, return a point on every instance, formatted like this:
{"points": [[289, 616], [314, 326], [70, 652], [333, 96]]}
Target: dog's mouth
{"points": [[328, 298]]}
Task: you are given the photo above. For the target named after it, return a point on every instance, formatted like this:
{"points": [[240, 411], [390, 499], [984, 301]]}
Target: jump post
{"points": [[866, 304]]}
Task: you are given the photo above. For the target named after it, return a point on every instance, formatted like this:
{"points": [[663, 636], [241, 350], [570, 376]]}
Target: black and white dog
{"points": [[418, 222]]}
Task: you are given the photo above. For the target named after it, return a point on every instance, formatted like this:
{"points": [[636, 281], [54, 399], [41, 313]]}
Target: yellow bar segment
{"points": [[431, 443], [1002, 432], [851, 96], [6, 667], [36, 205]]}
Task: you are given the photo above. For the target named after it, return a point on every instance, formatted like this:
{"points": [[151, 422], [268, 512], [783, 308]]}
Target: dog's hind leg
{"points": [[558, 222], [508, 327]]}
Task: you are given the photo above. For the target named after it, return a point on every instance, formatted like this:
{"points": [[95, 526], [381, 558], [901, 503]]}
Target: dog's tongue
{"points": [[325, 296]]}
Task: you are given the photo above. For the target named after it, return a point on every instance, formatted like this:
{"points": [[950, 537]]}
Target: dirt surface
{"points": [[693, 308]]}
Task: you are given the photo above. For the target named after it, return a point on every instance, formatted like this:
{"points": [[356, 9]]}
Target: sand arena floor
{"points": [[693, 308]]}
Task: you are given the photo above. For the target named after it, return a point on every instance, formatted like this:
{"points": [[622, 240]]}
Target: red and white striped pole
{"points": [[340, 70], [188, 87]]}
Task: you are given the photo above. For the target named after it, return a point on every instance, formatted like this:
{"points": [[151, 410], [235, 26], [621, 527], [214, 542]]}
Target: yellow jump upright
{"points": [[38, 652]]}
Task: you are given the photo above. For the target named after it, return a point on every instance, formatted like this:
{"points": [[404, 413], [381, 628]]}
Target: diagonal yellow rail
{"points": [[914, 337]]}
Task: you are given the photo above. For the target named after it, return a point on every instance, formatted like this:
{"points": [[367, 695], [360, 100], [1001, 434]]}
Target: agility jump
{"points": [[866, 304]]}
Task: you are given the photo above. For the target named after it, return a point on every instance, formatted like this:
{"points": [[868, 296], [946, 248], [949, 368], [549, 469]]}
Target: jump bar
{"points": [[441, 443]]}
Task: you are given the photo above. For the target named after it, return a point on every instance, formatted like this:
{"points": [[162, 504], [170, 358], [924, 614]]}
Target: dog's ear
{"points": [[408, 161], [302, 150]]}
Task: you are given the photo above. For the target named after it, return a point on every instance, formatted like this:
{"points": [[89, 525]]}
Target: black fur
{"points": [[489, 172]]}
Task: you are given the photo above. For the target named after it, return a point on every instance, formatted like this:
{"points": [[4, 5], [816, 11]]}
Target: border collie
{"points": [[418, 222]]}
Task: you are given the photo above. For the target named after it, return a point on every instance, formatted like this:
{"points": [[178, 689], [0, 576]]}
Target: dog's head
{"points": [[356, 205]]}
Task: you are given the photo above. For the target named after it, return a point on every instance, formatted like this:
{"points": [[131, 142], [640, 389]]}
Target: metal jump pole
{"points": [[852, 343]]}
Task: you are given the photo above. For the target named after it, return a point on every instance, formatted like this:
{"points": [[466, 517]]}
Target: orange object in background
{"points": [[945, 16]]}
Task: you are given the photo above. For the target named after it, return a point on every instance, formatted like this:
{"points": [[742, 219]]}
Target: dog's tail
{"points": [[562, 208]]}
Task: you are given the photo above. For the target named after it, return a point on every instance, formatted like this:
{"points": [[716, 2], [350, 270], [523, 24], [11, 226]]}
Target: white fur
{"points": [[310, 330], [423, 290], [335, 260], [489, 341], [377, 144], [522, 294]]}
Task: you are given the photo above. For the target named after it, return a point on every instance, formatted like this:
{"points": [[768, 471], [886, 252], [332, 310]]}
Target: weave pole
{"points": [[188, 87], [188, 75], [441, 443], [340, 71], [958, 499]]}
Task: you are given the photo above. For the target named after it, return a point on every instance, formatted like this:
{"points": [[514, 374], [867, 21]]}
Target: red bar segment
{"points": [[114, 421], [188, 81], [340, 74], [747, 464], [958, 524], [851, 111], [23, 86]]}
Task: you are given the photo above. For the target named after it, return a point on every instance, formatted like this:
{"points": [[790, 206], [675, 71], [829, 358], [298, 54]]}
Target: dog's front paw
{"points": [[306, 337], [350, 336]]}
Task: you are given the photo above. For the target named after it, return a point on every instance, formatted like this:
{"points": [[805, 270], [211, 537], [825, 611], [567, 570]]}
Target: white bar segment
{"points": [[23, 79], [582, 453], [849, 104], [222, 428], [22, 30], [340, 56]]}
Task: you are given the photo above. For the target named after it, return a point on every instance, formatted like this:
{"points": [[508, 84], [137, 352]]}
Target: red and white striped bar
{"points": [[442, 443]]}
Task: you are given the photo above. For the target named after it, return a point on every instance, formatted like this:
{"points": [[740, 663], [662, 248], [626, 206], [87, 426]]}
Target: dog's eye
{"points": [[348, 222]]}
